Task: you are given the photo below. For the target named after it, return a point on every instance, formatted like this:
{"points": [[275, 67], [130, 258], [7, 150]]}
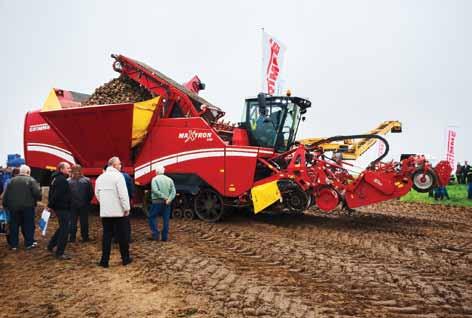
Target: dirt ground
{"points": [[390, 260]]}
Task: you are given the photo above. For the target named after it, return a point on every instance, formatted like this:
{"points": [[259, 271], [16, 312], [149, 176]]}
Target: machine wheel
{"points": [[178, 213], [424, 181], [146, 208], [180, 201], [189, 214], [327, 198], [145, 197], [209, 205], [296, 200]]}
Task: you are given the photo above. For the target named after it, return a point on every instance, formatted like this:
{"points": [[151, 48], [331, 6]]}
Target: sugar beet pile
{"points": [[118, 90]]}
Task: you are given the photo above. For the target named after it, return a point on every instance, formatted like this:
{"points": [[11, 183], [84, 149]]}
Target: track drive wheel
{"points": [[296, 201], [209, 205], [146, 208], [189, 214], [180, 201], [424, 181], [177, 213]]}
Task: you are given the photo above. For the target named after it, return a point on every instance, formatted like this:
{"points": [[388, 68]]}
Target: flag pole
{"points": [[262, 59]]}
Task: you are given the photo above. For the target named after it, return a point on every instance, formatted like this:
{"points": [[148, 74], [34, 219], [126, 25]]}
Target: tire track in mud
{"points": [[373, 264], [445, 228], [452, 215], [377, 234], [233, 288], [395, 281]]}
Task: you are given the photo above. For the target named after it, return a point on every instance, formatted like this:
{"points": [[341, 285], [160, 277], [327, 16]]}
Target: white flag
{"points": [[273, 54]]}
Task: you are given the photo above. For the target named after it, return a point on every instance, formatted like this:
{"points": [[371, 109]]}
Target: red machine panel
{"points": [[182, 145], [95, 133], [190, 145], [43, 148], [374, 186], [240, 166]]}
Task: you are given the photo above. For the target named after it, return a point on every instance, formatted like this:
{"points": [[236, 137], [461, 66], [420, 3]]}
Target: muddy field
{"points": [[390, 260]]}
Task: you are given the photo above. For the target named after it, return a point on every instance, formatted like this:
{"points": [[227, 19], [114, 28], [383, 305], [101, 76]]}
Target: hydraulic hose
{"points": [[362, 136]]}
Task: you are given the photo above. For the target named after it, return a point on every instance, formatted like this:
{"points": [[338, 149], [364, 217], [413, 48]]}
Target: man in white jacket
{"points": [[111, 193]]}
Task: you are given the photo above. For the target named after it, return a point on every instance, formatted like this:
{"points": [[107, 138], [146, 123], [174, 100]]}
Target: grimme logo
{"points": [[273, 68], [193, 135], [39, 127]]}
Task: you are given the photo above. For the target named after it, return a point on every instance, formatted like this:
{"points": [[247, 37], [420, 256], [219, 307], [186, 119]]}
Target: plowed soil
{"points": [[390, 260]]}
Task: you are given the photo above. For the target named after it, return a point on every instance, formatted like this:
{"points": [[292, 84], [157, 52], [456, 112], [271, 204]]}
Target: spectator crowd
{"points": [[69, 200], [464, 176]]}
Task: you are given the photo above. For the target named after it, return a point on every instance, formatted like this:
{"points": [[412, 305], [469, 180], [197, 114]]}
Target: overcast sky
{"points": [[359, 62]]}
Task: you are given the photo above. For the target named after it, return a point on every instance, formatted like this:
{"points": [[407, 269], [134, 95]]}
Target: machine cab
{"points": [[272, 121]]}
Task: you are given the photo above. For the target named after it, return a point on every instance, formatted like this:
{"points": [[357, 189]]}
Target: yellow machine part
{"points": [[352, 150], [142, 115], [264, 195], [52, 102]]}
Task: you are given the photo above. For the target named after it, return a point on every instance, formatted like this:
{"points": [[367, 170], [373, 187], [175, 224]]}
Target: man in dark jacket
{"points": [[60, 201], [465, 170], [20, 199], [459, 173], [468, 175], [82, 194]]}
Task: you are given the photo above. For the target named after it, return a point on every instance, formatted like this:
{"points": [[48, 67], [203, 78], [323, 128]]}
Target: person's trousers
{"points": [[469, 190], [59, 238], [25, 219], [115, 227], [446, 194], [159, 209], [82, 214], [128, 228]]}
